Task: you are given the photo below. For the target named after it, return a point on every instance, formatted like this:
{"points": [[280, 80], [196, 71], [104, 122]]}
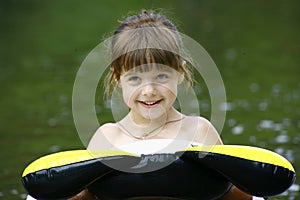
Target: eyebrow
{"points": [[159, 68], [129, 74], [166, 69]]}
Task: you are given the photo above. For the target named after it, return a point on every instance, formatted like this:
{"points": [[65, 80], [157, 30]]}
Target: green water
{"points": [[255, 45]]}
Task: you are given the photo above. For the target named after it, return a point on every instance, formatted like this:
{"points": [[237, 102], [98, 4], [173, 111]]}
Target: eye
{"points": [[162, 77], [134, 79]]}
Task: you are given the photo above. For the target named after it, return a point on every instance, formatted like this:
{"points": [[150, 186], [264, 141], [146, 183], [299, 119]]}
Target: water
{"points": [[255, 45]]}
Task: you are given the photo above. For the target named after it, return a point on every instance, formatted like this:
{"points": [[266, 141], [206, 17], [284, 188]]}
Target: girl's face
{"points": [[150, 93]]}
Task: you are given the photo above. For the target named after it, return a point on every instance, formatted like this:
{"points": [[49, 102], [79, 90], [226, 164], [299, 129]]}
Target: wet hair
{"points": [[145, 40]]}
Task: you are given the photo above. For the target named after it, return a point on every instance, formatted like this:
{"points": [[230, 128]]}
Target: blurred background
{"points": [[255, 45]]}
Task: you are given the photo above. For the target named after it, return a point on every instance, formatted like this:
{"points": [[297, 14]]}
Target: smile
{"points": [[150, 103]]}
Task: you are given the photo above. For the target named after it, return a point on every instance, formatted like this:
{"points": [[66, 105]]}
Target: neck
{"points": [[171, 114], [146, 122], [142, 128]]}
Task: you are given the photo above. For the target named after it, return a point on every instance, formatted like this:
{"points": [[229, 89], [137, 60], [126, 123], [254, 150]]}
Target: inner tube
{"points": [[202, 172]]}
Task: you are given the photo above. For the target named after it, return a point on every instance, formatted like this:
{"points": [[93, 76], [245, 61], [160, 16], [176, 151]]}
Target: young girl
{"points": [[148, 67]]}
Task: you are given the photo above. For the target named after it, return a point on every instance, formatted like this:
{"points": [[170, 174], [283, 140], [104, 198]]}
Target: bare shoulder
{"points": [[201, 121], [206, 132], [102, 135], [107, 128]]}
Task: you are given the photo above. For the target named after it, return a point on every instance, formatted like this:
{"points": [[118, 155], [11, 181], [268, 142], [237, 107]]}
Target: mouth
{"points": [[150, 104]]}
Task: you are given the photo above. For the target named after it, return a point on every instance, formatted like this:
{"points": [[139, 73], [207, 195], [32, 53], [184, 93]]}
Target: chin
{"points": [[154, 116]]}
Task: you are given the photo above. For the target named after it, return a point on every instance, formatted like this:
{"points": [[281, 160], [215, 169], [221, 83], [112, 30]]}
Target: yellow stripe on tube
{"points": [[246, 152], [69, 157]]}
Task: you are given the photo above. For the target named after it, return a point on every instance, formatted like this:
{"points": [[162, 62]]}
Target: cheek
{"points": [[170, 94], [129, 96], [171, 90]]}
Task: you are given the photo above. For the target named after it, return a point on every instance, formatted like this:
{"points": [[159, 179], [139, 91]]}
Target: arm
{"points": [[84, 195], [207, 134], [235, 194], [98, 142]]}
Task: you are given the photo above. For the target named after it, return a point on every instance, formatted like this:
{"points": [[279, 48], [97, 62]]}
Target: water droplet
{"points": [[254, 87], [282, 139], [266, 124], [63, 99], [294, 188], [276, 90], [52, 122], [279, 150], [286, 122], [296, 95], [231, 54], [287, 98], [23, 196], [107, 103], [237, 130], [197, 89], [277, 127], [226, 106], [289, 155], [65, 111], [54, 148], [263, 105], [243, 103], [195, 104], [296, 139], [231, 122], [252, 139], [204, 106], [14, 192], [98, 109]]}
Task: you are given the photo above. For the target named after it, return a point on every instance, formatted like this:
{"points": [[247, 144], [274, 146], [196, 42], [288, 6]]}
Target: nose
{"points": [[149, 90]]}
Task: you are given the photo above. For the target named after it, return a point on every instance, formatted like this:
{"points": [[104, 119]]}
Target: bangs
{"points": [[143, 60], [142, 42]]}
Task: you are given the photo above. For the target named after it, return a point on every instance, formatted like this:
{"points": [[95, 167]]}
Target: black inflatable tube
{"points": [[194, 173], [65, 181], [255, 178], [180, 179]]}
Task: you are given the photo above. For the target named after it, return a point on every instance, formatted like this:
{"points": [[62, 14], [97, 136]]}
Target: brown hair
{"points": [[146, 38]]}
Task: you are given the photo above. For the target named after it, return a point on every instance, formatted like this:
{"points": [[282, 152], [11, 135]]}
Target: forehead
{"points": [[145, 59], [153, 67]]}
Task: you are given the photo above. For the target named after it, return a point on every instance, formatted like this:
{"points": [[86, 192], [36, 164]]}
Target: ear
{"points": [[183, 63], [181, 75], [118, 83], [180, 78]]}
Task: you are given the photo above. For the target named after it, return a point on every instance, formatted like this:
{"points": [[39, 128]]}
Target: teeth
{"points": [[150, 102]]}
